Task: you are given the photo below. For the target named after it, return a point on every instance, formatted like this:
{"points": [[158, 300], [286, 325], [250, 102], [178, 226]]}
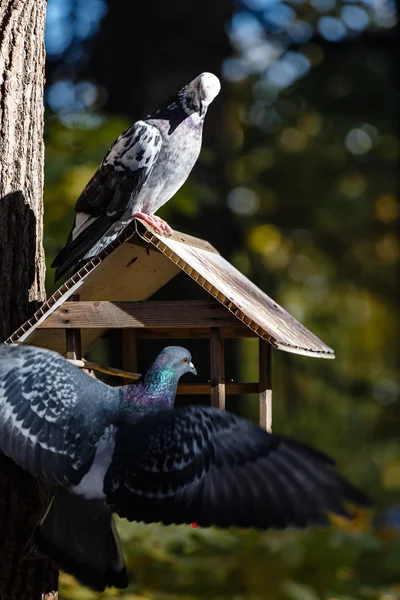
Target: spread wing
{"points": [[51, 414], [122, 174], [199, 464]]}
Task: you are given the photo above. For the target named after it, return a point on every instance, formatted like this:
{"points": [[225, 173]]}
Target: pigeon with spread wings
{"points": [[124, 450]]}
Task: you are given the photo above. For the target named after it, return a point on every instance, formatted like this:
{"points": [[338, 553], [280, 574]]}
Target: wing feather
{"points": [[50, 414], [105, 199], [212, 467], [124, 170]]}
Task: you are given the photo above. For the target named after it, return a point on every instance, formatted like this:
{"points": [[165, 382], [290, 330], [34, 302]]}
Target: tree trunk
{"points": [[23, 575]]}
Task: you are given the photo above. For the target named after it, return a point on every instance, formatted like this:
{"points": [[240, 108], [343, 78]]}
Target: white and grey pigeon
{"points": [[143, 169], [124, 450]]}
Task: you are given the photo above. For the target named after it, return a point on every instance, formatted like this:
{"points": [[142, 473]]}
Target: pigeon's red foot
{"points": [[159, 225]]}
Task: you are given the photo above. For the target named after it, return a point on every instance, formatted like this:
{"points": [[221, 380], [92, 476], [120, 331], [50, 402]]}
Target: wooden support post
{"points": [[265, 384], [73, 338], [129, 352], [217, 368]]}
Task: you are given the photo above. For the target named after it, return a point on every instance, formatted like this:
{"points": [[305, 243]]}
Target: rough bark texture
{"points": [[21, 160], [23, 575]]}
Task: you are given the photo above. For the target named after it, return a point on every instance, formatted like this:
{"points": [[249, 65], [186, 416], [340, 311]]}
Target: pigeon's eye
{"points": [[186, 359]]}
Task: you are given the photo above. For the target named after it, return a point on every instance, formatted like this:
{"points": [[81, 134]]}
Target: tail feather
{"points": [[80, 536], [76, 249]]}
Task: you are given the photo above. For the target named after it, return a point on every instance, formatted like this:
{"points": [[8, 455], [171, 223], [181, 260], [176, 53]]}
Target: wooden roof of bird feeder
{"points": [[111, 292]]}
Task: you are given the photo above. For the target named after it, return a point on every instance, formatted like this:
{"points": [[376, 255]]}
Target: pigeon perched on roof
{"points": [[124, 450], [143, 169]]}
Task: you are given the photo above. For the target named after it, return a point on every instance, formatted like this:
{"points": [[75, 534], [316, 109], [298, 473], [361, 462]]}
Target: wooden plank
{"points": [[204, 389], [265, 384], [217, 368], [92, 366], [121, 315], [129, 352], [167, 333], [198, 333]]}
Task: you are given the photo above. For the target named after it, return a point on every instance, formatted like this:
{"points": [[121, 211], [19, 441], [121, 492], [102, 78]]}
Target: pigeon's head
{"points": [[200, 92], [158, 386], [176, 359]]}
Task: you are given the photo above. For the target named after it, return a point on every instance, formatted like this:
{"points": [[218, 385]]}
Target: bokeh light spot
{"points": [[310, 123], [388, 249], [264, 239], [301, 267], [323, 5], [243, 201], [387, 208], [356, 18], [292, 140], [358, 141], [279, 15], [299, 31], [332, 29], [352, 184]]}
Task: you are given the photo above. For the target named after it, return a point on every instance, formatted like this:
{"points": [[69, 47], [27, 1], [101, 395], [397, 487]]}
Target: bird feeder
{"points": [[114, 290]]}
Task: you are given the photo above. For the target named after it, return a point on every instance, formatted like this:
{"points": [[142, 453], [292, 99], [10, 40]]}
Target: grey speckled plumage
{"points": [[60, 424], [143, 169], [125, 450]]}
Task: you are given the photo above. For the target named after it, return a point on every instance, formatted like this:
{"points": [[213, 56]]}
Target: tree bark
{"points": [[23, 574]]}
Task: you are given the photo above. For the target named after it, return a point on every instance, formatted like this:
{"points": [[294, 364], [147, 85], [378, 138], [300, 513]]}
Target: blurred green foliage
{"points": [[311, 201], [348, 562]]}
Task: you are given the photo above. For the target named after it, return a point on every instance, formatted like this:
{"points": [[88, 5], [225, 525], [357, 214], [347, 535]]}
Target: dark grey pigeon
{"points": [[124, 450], [143, 169]]}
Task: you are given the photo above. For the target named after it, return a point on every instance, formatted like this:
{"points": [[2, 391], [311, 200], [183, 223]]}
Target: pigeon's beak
{"points": [[192, 369]]}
